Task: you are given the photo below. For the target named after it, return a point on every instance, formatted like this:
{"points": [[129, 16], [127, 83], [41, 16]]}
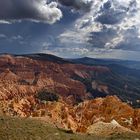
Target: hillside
{"points": [[25, 129], [72, 96]]}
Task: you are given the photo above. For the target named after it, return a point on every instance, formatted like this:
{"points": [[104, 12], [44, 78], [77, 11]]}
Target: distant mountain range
{"points": [[94, 61]]}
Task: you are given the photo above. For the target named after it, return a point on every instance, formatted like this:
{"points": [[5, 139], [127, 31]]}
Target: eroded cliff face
{"points": [[78, 118], [23, 78], [26, 76]]}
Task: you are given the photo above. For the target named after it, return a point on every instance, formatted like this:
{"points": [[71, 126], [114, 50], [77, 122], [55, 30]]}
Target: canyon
{"points": [[72, 96]]}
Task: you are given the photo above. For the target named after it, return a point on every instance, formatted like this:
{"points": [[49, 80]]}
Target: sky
{"points": [[71, 28]]}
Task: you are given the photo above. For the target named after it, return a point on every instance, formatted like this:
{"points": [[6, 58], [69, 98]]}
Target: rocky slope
{"points": [[71, 96], [24, 75]]}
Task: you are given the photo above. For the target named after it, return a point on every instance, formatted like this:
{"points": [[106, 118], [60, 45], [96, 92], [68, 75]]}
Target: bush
{"points": [[44, 95]]}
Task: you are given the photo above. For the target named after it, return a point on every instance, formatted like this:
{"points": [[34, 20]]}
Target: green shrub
{"points": [[45, 95]]}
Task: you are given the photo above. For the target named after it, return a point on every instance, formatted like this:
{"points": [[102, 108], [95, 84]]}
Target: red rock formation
{"points": [[21, 78], [23, 75]]}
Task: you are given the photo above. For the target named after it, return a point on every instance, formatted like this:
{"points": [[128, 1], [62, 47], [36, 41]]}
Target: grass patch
{"points": [[29, 129]]}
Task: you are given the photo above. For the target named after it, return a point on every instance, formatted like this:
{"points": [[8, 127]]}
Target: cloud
{"points": [[3, 36], [77, 4], [114, 11], [34, 10], [11, 39], [68, 52], [18, 37], [110, 24], [129, 40], [4, 22]]}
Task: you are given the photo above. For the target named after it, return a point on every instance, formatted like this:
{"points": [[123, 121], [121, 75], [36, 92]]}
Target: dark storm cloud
{"points": [[35, 10], [77, 4]]}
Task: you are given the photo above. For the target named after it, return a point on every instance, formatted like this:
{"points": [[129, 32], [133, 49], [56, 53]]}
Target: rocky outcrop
{"points": [[105, 129]]}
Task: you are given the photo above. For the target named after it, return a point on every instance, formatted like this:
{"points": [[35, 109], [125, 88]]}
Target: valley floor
{"points": [[28, 129]]}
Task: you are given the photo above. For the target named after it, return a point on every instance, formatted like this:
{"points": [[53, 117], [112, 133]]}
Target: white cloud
{"points": [[18, 37], [114, 42], [69, 52], [4, 22], [3, 36]]}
